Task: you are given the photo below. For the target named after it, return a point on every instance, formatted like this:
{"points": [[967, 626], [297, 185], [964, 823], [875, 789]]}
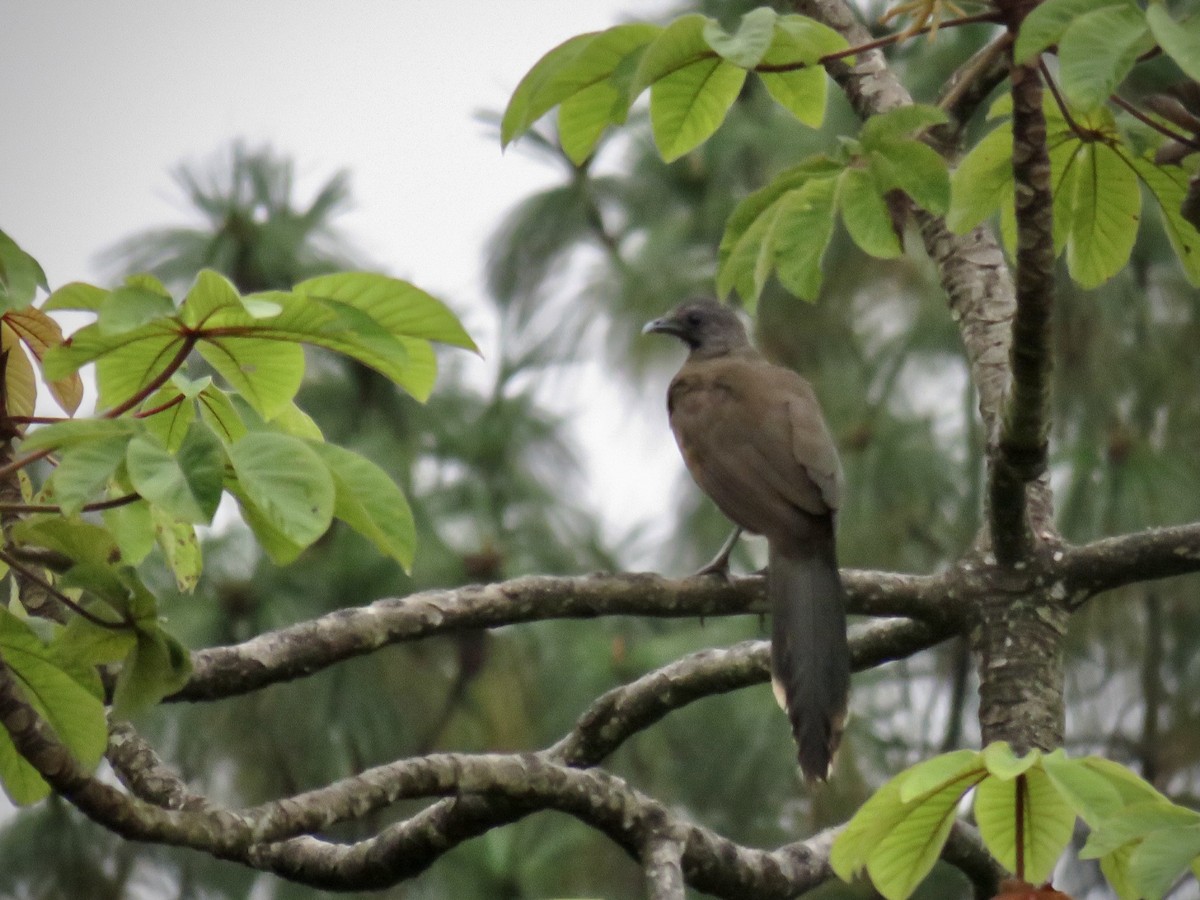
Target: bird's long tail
{"points": [[810, 658]]}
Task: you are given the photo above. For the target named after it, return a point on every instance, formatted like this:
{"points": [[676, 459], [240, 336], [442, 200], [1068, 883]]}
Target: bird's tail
{"points": [[810, 659]]}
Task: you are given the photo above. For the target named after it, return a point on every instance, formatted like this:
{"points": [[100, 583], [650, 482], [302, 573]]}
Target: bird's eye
{"points": [[694, 319]]}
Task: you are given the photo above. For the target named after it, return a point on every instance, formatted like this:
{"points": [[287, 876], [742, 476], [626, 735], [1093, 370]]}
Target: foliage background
{"points": [[497, 483]]}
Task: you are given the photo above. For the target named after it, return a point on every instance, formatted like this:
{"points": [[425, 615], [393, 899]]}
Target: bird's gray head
{"points": [[708, 328]]}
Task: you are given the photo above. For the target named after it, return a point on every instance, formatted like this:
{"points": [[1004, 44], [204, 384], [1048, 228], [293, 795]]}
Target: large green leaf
{"points": [[688, 105], [157, 666], [882, 812], [74, 538], [370, 502], [1105, 215], [133, 529], [83, 472], [1169, 185], [221, 415], [1049, 20], [907, 851], [76, 295], [799, 40], [187, 484], [128, 308], [748, 45], [915, 168], [1160, 860], [1048, 822], [20, 275], [540, 90], [1133, 823], [169, 412], [267, 373], [281, 548], [209, 294], [1179, 40], [71, 709], [866, 214], [1093, 796], [983, 181], [180, 548], [287, 481], [939, 772], [802, 234], [1097, 51], [677, 46], [126, 361]]}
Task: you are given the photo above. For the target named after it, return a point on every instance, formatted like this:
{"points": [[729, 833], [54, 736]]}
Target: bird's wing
{"points": [[739, 424]]}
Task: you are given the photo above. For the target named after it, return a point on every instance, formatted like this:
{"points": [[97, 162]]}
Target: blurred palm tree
{"points": [[253, 230]]}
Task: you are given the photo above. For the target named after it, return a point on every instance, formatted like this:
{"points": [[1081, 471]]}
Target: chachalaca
{"points": [[753, 437]]}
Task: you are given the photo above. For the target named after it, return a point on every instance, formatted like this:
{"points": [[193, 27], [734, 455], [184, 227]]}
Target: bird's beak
{"points": [[665, 325]]}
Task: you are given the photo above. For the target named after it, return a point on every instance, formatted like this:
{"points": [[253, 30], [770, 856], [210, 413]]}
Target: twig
{"points": [[13, 563]]}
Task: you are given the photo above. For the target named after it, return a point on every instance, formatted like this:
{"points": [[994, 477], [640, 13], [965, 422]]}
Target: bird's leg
{"points": [[719, 564]]}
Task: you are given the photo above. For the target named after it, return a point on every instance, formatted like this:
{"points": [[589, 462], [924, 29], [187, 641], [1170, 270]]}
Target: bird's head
{"points": [[708, 328]]}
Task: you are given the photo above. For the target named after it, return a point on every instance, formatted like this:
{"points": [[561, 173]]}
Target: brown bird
{"points": [[753, 438]]}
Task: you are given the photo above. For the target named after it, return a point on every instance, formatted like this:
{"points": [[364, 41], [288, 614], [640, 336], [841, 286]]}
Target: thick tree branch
{"points": [[315, 644], [1022, 449], [1127, 559]]}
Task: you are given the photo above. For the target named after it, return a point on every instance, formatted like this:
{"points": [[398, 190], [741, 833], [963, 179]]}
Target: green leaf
{"points": [[403, 310], [600, 64], [147, 282], [219, 413], [277, 545], [803, 93], [907, 851], [1090, 794], [1115, 868], [1132, 788], [180, 547], [76, 539], [885, 128], [539, 91], [1179, 40], [92, 645], [83, 472], [1135, 822], [296, 422], [1106, 211], [126, 362], [1097, 51], [157, 666], [803, 231], [128, 308], [76, 295], [209, 294], [1168, 185], [1048, 21], [939, 772], [64, 435], [799, 40], [288, 483], [370, 502], [1048, 820], [1162, 858], [688, 105], [186, 484], [746, 46], [862, 834], [679, 45], [983, 181], [866, 214], [20, 275], [1002, 763], [133, 529], [74, 712], [267, 373], [915, 168], [175, 409]]}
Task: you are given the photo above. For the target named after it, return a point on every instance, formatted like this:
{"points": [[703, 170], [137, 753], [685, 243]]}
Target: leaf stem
{"points": [[1157, 126], [13, 563], [884, 41], [123, 500], [1022, 802], [189, 341]]}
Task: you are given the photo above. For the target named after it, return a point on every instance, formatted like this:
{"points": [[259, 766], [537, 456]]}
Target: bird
{"points": [[754, 439]]}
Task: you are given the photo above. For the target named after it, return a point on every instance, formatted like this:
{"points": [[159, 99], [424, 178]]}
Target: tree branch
{"points": [[318, 643], [1020, 456], [1117, 561]]}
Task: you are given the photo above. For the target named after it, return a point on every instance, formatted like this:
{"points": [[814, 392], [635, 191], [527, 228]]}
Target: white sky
{"points": [[98, 101]]}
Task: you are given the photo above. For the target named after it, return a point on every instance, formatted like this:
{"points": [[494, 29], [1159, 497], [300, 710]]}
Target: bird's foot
{"points": [[719, 564]]}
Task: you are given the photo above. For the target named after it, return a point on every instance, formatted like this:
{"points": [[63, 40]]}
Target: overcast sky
{"points": [[100, 100]]}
